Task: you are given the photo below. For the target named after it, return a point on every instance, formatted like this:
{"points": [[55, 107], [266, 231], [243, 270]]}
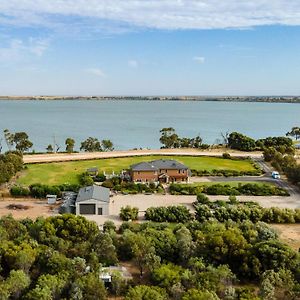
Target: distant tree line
{"points": [[170, 139], [242, 142]]}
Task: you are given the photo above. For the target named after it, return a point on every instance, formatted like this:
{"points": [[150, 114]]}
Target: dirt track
{"points": [[57, 157]]}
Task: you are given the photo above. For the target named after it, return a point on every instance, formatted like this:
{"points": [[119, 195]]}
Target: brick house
{"points": [[161, 170]]}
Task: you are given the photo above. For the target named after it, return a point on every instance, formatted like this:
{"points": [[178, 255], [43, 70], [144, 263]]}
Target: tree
{"points": [[168, 137], [70, 143], [91, 145], [241, 142], [21, 141], [142, 250], [107, 145], [194, 294], [167, 275], [90, 286], [143, 292], [9, 138], [128, 213], [295, 132], [17, 282], [49, 148]]}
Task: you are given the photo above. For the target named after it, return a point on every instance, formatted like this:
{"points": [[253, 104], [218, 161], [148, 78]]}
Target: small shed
{"points": [[93, 200], [51, 199], [107, 273]]}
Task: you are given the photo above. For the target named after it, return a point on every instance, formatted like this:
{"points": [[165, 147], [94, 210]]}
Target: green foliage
{"points": [[175, 214], [248, 189], [129, 213], [70, 143], [169, 139], [194, 294], [91, 145], [85, 179], [19, 191], [241, 142], [10, 164], [295, 132], [107, 145], [167, 275], [143, 292]]}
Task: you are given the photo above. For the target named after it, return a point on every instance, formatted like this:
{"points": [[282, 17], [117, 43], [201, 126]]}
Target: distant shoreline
{"points": [[265, 99]]}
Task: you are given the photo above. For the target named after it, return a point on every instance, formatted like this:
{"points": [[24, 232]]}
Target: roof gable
{"points": [[94, 192], [155, 165]]}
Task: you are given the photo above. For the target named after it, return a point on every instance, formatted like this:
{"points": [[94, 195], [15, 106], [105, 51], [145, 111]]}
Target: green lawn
{"points": [[66, 172], [231, 183]]}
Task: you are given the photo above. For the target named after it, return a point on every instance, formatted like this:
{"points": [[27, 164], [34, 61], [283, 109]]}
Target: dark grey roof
{"points": [[94, 169], [156, 165], [93, 192]]}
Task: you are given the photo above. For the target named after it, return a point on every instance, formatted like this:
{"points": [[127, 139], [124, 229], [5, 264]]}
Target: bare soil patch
{"points": [[21, 208], [289, 233]]}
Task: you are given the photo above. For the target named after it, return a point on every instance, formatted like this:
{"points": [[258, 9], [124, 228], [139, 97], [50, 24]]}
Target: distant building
{"points": [[107, 273], [93, 200], [163, 171], [51, 199]]}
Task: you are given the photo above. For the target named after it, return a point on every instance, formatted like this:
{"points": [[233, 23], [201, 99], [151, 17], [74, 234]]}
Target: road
{"points": [[61, 157], [294, 192]]}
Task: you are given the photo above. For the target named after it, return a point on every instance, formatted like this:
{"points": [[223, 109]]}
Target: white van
{"points": [[275, 175]]}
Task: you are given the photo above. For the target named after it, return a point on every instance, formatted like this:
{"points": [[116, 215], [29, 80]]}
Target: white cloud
{"points": [[199, 59], [161, 14], [133, 63], [95, 71], [17, 49]]}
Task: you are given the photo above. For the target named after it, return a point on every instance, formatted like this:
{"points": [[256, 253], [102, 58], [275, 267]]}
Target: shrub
{"points": [[129, 213], [18, 191], [174, 214], [226, 155]]}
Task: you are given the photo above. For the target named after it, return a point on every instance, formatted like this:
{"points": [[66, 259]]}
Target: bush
{"points": [[174, 214], [85, 179], [128, 213], [226, 155], [18, 191], [249, 189]]}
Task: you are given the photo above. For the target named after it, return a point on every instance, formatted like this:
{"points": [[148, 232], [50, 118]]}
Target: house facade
{"points": [[163, 171], [93, 200]]}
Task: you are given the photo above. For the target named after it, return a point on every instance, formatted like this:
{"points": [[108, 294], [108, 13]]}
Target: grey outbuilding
{"points": [[93, 200]]}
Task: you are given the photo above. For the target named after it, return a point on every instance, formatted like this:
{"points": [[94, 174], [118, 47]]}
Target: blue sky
{"points": [[149, 47]]}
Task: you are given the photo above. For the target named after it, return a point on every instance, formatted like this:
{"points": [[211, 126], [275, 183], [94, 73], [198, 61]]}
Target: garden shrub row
{"points": [[223, 211], [41, 190], [248, 189], [226, 173], [174, 214]]}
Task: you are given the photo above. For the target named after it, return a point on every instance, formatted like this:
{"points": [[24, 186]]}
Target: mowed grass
{"points": [[232, 183], [67, 172]]}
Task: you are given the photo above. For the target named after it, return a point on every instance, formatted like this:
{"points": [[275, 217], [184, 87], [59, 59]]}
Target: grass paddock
{"points": [[67, 172]]}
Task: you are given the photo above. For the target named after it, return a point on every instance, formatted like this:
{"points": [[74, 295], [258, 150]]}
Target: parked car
{"points": [[275, 175]]}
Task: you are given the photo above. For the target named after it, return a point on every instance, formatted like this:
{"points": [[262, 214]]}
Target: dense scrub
{"points": [[248, 189], [61, 257]]}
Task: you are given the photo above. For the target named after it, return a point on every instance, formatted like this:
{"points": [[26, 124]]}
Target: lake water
{"points": [[132, 124]]}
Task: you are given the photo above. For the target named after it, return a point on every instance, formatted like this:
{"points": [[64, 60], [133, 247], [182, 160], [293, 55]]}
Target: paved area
{"points": [[59, 157]]}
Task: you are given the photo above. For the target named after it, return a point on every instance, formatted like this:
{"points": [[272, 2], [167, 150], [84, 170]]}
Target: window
{"points": [[100, 211], [178, 171]]}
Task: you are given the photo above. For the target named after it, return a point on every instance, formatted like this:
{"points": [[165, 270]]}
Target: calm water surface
{"points": [[132, 124]]}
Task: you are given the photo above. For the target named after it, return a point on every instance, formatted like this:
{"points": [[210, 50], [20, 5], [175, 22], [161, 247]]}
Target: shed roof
{"points": [[93, 192], [155, 165]]}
